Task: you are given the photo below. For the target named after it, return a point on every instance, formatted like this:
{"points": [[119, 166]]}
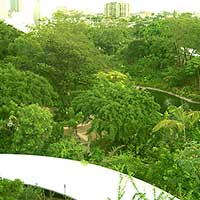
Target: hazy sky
{"points": [[137, 5]]}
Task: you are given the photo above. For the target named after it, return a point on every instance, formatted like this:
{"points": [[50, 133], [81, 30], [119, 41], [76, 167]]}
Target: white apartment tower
{"points": [[8, 7], [16, 6], [117, 9], [37, 11]]}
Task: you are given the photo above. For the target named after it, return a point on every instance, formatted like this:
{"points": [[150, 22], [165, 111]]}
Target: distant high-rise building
{"points": [[16, 6], [4, 9], [37, 11], [117, 9]]}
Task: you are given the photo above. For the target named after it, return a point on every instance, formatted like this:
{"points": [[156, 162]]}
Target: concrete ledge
{"points": [[77, 180]]}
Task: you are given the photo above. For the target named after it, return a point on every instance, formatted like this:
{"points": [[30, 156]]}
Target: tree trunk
{"points": [[198, 79]]}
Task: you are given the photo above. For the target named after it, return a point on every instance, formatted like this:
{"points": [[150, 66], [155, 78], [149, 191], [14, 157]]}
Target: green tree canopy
{"points": [[122, 112], [110, 38], [25, 52], [7, 35], [24, 87], [165, 40], [69, 50]]}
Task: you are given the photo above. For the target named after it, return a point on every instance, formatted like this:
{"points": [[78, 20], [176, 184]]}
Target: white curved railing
{"points": [[73, 178]]}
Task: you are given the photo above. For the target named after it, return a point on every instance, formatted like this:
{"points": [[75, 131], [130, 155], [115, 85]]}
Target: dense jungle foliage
{"points": [[74, 69]]}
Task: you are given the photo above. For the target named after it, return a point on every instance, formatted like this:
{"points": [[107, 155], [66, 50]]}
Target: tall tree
{"points": [[25, 88], [110, 38], [25, 52], [121, 112], [7, 35], [193, 69], [70, 52]]}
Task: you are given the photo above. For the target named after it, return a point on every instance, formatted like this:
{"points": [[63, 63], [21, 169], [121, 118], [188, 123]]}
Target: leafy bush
{"points": [[16, 190], [25, 129], [188, 170], [67, 147]]}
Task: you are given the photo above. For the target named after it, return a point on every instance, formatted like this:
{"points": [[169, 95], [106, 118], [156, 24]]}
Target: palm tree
{"points": [[178, 121]]}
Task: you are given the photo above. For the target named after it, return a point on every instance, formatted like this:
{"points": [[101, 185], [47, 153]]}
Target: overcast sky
{"points": [[137, 5]]}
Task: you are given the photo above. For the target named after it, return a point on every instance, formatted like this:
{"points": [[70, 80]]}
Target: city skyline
{"points": [[30, 15], [136, 5], [91, 6]]}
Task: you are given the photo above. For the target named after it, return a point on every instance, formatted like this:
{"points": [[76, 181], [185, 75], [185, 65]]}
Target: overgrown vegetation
{"points": [[74, 69]]}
